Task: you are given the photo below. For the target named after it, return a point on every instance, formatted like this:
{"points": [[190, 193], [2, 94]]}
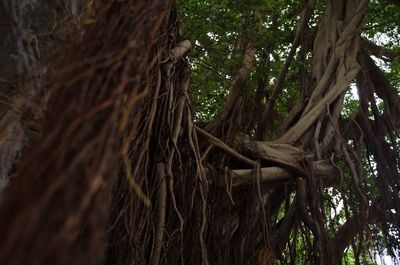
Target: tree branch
{"points": [[224, 146], [305, 16], [322, 169], [353, 226], [379, 51]]}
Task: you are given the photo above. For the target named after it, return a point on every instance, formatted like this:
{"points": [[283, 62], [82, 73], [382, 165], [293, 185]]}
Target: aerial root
{"points": [[160, 222]]}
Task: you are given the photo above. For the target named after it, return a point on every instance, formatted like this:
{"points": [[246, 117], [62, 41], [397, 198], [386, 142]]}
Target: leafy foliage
{"points": [[215, 27], [286, 153]]}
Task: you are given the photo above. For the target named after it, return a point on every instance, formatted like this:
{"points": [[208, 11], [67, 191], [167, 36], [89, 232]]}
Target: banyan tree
{"points": [[199, 132]]}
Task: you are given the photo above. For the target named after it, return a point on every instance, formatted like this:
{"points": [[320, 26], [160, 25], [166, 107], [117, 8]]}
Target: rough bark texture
{"points": [[28, 30], [119, 173]]}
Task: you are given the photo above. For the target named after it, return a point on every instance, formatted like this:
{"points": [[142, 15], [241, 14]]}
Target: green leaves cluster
{"points": [[216, 27]]}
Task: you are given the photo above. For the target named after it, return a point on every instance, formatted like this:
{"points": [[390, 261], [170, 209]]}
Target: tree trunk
{"points": [[119, 173]]}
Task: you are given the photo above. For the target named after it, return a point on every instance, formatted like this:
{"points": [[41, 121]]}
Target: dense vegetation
{"points": [[217, 29], [200, 132]]}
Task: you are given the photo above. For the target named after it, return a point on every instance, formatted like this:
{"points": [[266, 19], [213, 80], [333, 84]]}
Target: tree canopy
{"points": [[200, 132]]}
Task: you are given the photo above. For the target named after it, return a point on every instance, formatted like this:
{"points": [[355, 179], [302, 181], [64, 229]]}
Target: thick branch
{"points": [[241, 76], [304, 124], [224, 147], [305, 16], [322, 169], [378, 51], [353, 226]]}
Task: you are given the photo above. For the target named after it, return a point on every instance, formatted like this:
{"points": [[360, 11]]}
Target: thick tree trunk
{"points": [[57, 209], [28, 30], [122, 175]]}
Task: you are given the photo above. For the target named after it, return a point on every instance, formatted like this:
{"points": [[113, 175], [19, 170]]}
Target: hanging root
{"points": [[160, 222]]}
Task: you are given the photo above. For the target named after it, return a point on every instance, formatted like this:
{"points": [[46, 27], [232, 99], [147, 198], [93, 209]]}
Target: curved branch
{"points": [[294, 133], [241, 76], [305, 16], [353, 226], [379, 51]]}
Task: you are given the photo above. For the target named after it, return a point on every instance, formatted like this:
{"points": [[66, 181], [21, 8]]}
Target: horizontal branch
{"points": [[378, 51], [268, 174], [275, 154]]}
